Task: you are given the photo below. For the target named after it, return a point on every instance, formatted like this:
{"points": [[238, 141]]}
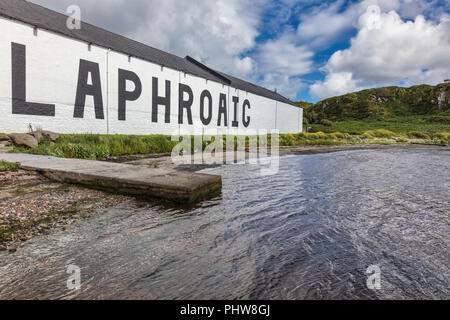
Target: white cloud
{"points": [[223, 34], [397, 51], [334, 84], [324, 23], [283, 56], [284, 84], [218, 32], [280, 62]]}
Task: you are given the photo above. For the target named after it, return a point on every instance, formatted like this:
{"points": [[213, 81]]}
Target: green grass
{"points": [[7, 166], [382, 104], [399, 125], [90, 146]]}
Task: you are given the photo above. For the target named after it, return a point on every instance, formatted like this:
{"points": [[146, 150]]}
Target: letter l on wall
{"points": [[19, 91]]}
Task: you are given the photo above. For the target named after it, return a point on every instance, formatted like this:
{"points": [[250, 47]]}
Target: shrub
{"points": [[339, 135], [441, 135], [287, 139], [440, 119], [326, 122], [379, 133], [418, 135], [301, 135]]}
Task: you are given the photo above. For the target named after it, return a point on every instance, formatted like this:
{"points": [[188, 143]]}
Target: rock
{"points": [[23, 139], [5, 143], [37, 135], [52, 144], [12, 248], [52, 136], [442, 99], [4, 138]]}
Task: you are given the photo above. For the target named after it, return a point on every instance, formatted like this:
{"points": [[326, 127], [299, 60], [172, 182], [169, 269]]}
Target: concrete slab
{"points": [[166, 183]]}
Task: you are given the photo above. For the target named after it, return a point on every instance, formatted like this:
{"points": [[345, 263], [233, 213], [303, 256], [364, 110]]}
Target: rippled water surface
{"points": [[310, 231]]}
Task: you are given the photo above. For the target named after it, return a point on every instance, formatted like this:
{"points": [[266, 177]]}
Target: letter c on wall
{"points": [[245, 120]]}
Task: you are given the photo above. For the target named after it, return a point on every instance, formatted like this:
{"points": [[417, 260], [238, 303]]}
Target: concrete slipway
{"points": [[165, 183]]}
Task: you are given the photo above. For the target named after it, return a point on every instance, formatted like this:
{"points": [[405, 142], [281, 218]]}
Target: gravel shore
{"points": [[32, 205]]}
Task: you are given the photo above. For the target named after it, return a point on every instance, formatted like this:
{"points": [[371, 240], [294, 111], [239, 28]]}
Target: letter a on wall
{"points": [[85, 89]]}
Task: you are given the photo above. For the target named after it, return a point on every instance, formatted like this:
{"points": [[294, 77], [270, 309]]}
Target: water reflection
{"points": [[310, 231]]}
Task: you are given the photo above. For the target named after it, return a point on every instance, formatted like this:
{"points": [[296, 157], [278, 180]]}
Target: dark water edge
{"points": [[308, 232]]}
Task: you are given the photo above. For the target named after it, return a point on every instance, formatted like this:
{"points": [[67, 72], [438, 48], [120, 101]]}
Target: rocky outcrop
{"points": [[374, 98], [52, 136], [30, 140], [37, 135], [442, 100], [23, 140]]}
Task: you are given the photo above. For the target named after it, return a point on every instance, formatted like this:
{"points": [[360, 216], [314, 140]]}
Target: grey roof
{"points": [[47, 19]]}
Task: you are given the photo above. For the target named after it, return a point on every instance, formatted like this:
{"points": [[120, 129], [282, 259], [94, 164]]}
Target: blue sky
{"points": [[281, 16], [307, 50]]}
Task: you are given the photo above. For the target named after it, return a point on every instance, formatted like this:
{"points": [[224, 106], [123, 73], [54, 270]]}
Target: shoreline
{"points": [[164, 159], [315, 149], [34, 205]]}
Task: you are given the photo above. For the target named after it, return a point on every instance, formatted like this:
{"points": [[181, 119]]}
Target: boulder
{"points": [[4, 138], [52, 136], [37, 135], [5, 143], [23, 139]]}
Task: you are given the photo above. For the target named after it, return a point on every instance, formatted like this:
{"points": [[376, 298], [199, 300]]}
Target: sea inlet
{"points": [[310, 231]]}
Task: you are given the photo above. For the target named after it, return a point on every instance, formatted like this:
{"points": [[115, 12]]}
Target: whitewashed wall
{"points": [[52, 66]]}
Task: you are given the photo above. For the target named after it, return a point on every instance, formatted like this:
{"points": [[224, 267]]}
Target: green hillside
{"points": [[418, 108]]}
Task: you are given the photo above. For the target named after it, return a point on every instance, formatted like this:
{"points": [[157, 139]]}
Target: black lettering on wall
{"points": [[245, 120], [124, 95], [185, 104], [222, 109], [85, 89], [157, 100], [235, 123], [205, 94], [19, 91]]}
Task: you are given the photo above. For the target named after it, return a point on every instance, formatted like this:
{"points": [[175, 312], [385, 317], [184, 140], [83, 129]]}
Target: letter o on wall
{"points": [[205, 94]]}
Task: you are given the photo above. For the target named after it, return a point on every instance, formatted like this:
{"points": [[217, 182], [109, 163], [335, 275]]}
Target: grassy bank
{"points": [[428, 125], [89, 146], [377, 136], [7, 166], [418, 112]]}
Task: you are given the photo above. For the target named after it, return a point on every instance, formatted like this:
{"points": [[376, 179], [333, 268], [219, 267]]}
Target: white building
{"points": [[90, 80]]}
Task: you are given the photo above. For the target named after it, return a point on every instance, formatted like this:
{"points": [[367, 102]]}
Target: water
{"points": [[311, 231]]}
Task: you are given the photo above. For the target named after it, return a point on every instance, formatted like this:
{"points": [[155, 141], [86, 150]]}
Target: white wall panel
{"points": [[52, 68], [52, 64], [288, 118]]}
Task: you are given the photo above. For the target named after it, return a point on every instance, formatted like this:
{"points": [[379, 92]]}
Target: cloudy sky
{"points": [[306, 49]]}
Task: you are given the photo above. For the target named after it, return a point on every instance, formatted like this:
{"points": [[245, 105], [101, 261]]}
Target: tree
{"points": [[447, 80]]}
